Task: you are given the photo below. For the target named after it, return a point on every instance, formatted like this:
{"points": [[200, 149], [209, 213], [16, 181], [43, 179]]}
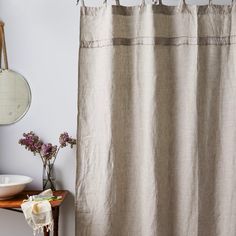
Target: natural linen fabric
{"points": [[157, 121]]}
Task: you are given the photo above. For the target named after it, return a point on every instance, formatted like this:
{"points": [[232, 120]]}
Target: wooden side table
{"points": [[14, 204]]}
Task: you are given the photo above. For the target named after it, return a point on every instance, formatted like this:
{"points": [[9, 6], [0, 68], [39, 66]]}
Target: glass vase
{"points": [[49, 179]]}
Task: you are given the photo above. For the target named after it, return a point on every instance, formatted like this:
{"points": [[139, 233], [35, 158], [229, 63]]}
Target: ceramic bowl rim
{"points": [[25, 180]]}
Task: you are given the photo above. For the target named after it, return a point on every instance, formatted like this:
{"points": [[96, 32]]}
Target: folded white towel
{"points": [[38, 213]]}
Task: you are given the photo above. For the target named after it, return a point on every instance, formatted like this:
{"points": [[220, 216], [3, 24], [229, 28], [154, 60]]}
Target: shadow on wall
{"points": [[68, 207]]}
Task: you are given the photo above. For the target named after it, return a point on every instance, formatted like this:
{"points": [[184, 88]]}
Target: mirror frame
{"points": [[30, 98]]}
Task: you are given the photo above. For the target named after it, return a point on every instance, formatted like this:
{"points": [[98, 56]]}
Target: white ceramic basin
{"points": [[10, 185]]}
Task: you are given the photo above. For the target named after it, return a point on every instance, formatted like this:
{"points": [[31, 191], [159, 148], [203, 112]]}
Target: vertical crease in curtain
{"points": [[157, 121]]}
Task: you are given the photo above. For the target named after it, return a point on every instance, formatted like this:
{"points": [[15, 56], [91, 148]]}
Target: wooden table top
{"points": [[16, 201]]}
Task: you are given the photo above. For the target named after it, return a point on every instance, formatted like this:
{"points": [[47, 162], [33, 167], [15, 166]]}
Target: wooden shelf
{"points": [[16, 201]]}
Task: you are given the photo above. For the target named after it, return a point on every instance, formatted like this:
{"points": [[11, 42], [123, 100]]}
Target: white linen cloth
{"points": [[38, 212], [157, 121]]}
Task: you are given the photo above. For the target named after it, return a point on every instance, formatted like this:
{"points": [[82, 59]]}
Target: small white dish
{"points": [[10, 185]]}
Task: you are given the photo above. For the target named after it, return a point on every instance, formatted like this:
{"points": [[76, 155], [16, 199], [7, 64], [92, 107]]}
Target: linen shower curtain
{"points": [[157, 121]]}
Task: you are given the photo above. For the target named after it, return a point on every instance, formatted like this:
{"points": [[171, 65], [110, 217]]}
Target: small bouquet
{"points": [[47, 153]]}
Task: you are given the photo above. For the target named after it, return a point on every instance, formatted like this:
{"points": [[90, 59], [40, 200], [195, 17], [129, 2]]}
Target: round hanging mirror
{"points": [[15, 93]]}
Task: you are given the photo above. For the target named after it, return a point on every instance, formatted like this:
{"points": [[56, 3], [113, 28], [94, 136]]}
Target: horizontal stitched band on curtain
{"points": [[176, 41]]}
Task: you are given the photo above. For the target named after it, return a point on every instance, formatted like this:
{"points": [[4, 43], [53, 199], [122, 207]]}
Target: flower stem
{"points": [[48, 174]]}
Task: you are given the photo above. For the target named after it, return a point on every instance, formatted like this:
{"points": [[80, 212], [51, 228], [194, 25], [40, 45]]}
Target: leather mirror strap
{"points": [[3, 45]]}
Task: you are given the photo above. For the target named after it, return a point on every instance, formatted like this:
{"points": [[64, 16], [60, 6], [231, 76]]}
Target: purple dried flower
{"points": [[48, 150], [31, 142], [65, 139]]}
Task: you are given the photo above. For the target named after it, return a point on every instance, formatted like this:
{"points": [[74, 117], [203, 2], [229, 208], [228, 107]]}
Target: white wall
{"points": [[42, 41]]}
